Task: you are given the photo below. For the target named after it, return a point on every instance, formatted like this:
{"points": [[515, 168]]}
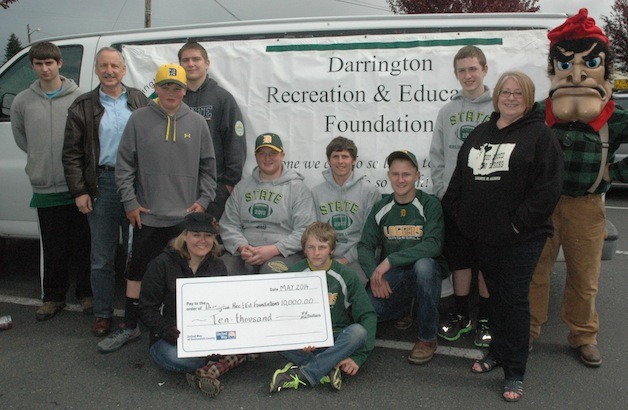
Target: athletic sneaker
{"points": [[454, 327], [334, 377], [482, 334], [118, 339], [287, 378]]}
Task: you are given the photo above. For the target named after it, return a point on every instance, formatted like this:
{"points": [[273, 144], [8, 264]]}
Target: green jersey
{"points": [[348, 303], [405, 232]]}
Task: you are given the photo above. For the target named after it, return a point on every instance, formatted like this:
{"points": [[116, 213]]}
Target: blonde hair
{"points": [[322, 231], [523, 81], [179, 245]]}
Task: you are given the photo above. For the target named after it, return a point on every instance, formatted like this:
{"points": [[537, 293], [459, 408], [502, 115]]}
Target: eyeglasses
{"points": [[508, 93]]}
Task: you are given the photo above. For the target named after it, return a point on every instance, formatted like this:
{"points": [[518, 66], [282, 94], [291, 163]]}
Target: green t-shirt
{"points": [[50, 200]]}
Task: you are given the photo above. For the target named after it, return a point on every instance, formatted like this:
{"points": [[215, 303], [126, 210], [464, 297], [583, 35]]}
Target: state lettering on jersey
{"points": [[204, 110], [261, 208], [343, 210], [469, 116], [467, 121], [403, 232], [339, 206], [263, 195], [490, 158]]}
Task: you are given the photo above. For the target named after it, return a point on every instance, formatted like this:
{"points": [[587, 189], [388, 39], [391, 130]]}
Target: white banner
{"points": [[382, 91]]}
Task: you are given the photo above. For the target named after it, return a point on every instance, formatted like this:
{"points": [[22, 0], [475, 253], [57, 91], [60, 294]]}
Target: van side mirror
{"points": [[5, 102]]}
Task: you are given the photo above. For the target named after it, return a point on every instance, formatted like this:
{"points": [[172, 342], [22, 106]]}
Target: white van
{"points": [[377, 80]]}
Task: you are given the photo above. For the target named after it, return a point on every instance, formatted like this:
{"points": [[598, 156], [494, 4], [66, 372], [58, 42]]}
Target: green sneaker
{"points": [[334, 377], [453, 327], [287, 378]]}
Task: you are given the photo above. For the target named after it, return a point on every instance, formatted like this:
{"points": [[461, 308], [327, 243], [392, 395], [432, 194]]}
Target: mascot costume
{"points": [[590, 129]]}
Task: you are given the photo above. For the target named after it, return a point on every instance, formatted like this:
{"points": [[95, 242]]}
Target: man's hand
{"points": [[349, 366], [195, 208], [344, 261], [134, 216], [246, 252], [84, 203], [309, 349], [229, 188], [171, 335], [261, 254], [379, 285]]}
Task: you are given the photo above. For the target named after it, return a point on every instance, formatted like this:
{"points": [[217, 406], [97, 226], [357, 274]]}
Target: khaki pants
{"points": [[579, 226]]}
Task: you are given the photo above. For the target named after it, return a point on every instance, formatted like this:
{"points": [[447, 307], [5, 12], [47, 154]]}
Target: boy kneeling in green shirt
{"points": [[353, 319]]}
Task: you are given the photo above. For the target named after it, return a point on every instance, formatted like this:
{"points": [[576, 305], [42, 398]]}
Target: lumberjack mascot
{"points": [[590, 128]]}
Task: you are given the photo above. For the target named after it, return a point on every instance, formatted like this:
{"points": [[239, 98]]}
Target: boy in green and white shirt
{"points": [[353, 319], [408, 227]]}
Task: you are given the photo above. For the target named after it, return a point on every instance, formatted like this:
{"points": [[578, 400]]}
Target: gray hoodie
{"points": [[346, 208], [454, 123], [38, 125], [165, 164], [267, 213]]}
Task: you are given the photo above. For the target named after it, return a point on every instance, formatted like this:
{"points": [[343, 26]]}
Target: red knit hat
{"points": [[575, 27]]}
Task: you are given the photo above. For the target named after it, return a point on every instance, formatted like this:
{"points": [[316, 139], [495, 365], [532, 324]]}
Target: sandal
{"points": [[486, 365], [515, 387]]}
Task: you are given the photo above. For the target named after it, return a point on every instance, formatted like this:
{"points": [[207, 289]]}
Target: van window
{"points": [[20, 75]]}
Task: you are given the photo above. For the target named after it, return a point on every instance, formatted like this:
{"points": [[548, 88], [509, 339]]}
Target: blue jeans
{"points": [[104, 222], [165, 356], [317, 364], [421, 281], [508, 271]]}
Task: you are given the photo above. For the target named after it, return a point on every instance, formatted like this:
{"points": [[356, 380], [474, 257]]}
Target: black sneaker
{"points": [[454, 327], [287, 378], [334, 377], [482, 334]]}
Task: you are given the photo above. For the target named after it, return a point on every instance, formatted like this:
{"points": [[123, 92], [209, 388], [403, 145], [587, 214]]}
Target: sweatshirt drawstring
{"points": [[174, 129]]}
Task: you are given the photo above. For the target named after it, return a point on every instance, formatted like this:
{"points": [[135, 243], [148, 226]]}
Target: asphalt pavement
{"points": [[55, 364]]}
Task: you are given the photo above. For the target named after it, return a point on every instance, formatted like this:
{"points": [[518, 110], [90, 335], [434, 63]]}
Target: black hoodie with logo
{"points": [[507, 181], [158, 309]]}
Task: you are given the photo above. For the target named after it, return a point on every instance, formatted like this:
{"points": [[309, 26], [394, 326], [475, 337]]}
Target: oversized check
{"points": [[252, 313]]}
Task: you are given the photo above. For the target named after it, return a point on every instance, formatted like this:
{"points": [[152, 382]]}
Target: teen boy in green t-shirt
{"points": [[353, 319]]}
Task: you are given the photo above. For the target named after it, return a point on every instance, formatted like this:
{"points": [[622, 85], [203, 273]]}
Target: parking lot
{"points": [[55, 363]]}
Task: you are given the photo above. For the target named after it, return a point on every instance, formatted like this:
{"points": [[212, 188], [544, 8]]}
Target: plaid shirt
{"points": [[582, 149]]}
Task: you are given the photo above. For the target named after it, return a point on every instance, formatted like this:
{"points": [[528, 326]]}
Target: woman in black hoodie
{"points": [[507, 181], [194, 253]]}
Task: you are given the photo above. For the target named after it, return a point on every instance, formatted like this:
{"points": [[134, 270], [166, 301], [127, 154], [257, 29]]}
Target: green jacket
{"points": [[348, 303], [405, 233]]}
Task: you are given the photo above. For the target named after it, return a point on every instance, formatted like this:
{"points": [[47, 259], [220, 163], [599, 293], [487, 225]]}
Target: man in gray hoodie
{"points": [[345, 200], [165, 169], [470, 107], [266, 214], [38, 117]]}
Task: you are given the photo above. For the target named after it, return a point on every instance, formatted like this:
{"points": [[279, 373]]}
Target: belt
{"points": [[107, 168]]}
